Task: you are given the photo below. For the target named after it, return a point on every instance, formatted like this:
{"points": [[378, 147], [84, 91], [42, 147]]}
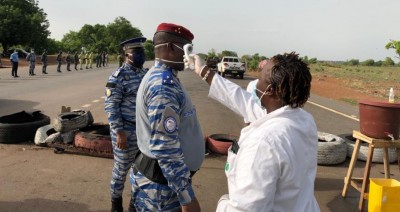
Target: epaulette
{"points": [[117, 72], [167, 78]]}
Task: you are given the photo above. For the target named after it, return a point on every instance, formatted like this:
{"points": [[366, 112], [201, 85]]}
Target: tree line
{"points": [[24, 25]]}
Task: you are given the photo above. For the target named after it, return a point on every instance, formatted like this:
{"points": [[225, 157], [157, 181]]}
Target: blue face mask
{"points": [[139, 59]]}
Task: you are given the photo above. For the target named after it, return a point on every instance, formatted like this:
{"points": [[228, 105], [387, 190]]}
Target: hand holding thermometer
{"points": [[188, 49]]}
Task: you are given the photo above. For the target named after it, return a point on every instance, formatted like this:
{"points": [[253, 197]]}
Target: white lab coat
{"points": [[276, 165]]}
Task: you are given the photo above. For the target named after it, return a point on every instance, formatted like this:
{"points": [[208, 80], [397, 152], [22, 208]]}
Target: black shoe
{"points": [[33, 74], [45, 73], [116, 205], [16, 76]]}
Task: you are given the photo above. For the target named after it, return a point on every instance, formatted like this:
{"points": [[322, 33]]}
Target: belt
{"points": [[150, 168]]}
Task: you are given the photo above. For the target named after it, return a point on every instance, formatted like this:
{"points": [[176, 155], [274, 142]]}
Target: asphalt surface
{"points": [[35, 179]]}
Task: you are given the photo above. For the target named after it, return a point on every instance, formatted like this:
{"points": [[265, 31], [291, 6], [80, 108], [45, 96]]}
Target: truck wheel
{"points": [[223, 74]]}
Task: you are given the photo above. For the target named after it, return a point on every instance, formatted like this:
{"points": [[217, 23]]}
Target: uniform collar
{"points": [[159, 64]]}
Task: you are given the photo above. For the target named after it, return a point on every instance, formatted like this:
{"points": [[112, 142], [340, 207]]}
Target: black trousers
{"points": [[68, 64], [59, 66], [14, 69], [44, 67]]}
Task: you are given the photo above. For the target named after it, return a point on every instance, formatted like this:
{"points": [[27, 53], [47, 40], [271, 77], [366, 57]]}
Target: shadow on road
{"points": [[42, 205], [8, 106]]}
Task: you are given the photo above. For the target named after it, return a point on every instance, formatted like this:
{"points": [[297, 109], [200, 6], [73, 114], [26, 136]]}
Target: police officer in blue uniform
{"points": [[32, 62], [170, 138], [120, 106]]}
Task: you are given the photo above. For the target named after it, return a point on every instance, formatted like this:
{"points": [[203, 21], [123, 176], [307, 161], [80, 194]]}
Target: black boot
{"points": [[116, 205]]}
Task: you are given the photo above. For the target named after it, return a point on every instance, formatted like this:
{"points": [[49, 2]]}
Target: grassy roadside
{"points": [[374, 82]]}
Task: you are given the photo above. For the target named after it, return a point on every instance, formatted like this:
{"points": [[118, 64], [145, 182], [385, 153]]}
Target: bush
{"points": [[353, 62], [369, 62]]}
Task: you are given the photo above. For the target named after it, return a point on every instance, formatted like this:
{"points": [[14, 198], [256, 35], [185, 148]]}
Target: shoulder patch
{"points": [[170, 124], [111, 85], [167, 78]]}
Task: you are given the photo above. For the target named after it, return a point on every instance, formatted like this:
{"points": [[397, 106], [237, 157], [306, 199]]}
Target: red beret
{"points": [[175, 29]]}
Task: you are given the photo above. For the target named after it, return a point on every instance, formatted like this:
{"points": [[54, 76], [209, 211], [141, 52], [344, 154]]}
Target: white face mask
{"points": [[258, 100], [169, 61]]}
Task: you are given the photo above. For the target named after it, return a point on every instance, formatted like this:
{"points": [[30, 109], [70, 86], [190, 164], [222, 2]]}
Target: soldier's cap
{"points": [[177, 30], [133, 43]]}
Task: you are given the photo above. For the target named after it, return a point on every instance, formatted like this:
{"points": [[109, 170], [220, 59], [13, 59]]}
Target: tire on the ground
{"points": [[43, 133], [21, 127], [74, 120], [332, 149], [95, 137], [377, 157]]}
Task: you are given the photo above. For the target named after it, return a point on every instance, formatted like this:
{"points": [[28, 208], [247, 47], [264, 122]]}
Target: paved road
{"points": [[35, 179]]}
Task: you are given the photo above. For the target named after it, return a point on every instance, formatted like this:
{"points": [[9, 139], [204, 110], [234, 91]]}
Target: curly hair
{"points": [[291, 79]]}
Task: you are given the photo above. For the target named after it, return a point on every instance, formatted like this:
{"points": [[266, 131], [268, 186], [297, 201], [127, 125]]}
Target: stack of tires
{"points": [[21, 127], [76, 129], [332, 149], [377, 157]]}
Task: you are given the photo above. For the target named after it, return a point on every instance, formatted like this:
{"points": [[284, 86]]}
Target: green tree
{"points": [[228, 53], [149, 50], [353, 62], [312, 60], [378, 63], [212, 53], [71, 41], [369, 62], [305, 59], [393, 44], [120, 30], [388, 62], [22, 22]]}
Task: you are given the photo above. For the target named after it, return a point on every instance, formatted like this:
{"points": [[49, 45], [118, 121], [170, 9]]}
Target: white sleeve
{"points": [[235, 98], [254, 182]]}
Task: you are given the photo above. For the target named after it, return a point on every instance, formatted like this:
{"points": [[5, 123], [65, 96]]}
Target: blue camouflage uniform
{"points": [[167, 130], [120, 105], [32, 62]]}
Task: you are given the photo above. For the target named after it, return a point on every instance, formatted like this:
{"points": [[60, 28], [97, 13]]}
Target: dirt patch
{"points": [[336, 88]]}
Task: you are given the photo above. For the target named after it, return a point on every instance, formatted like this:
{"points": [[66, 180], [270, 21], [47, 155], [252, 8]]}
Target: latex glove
{"points": [[199, 63]]}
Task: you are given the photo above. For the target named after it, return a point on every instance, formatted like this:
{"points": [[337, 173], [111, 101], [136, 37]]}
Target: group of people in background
{"points": [[85, 59]]}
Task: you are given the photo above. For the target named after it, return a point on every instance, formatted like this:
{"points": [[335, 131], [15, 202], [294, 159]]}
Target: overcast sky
{"points": [[326, 29]]}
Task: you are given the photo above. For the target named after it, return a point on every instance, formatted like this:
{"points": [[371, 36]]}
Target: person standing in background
{"points": [[14, 60], [44, 61], [59, 61], [32, 62], [90, 59], [120, 106], [120, 60], [87, 60], [68, 60], [76, 60], [81, 59]]}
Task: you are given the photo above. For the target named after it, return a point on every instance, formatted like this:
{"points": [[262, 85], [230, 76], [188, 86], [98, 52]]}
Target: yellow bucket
{"points": [[384, 195]]}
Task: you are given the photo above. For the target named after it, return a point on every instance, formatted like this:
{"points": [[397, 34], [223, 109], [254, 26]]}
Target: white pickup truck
{"points": [[231, 66]]}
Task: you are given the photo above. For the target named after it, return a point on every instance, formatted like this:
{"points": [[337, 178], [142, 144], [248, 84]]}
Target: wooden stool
{"points": [[372, 143]]}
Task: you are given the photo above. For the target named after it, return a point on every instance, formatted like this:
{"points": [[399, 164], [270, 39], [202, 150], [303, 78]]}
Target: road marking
{"points": [[353, 117], [94, 101], [87, 105]]}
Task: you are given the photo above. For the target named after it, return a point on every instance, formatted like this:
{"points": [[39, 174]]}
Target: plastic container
{"points": [[384, 195], [378, 119], [391, 95]]}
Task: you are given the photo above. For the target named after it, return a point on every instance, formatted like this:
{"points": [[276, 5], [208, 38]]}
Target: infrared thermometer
{"points": [[188, 49]]}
